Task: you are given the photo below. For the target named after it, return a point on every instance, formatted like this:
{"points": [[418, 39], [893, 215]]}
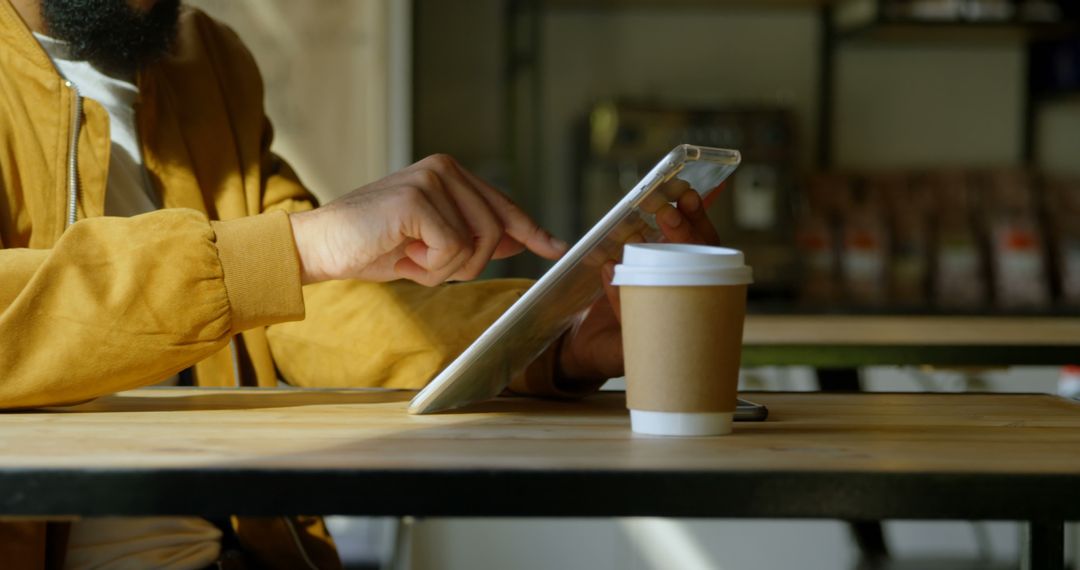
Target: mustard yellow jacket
{"points": [[107, 304]]}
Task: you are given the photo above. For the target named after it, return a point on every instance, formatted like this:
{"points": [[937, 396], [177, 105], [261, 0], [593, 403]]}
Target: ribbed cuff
{"points": [[262, 270]]}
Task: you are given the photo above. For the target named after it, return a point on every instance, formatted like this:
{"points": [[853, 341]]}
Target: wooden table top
{"points": [[850, 341], [272, 451]]}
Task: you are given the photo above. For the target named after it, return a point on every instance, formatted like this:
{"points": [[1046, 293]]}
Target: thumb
{"points": [[611, 291], [507, 247]]}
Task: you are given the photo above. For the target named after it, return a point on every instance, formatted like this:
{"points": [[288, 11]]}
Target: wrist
{"points": [[571, 377], [305, 238], [568, 370], [546, 376]]}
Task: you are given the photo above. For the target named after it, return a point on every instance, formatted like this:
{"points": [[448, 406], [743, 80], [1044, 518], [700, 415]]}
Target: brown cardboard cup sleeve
{"points": [[683, 308]]}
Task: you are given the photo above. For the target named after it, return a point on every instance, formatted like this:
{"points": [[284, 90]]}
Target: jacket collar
{"points": [[15, 34]]}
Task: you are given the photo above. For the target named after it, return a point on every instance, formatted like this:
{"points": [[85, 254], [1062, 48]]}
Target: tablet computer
{"points": [[561, 296]]}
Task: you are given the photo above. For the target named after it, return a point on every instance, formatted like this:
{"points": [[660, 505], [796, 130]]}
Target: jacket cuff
{"points": [[262, 270], [542, 378]]}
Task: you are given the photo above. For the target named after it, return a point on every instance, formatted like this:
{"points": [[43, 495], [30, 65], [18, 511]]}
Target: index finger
{"points": [[516, 223]]}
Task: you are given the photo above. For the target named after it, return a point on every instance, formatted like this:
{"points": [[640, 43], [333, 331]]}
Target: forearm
{"points": [[122, 302]]}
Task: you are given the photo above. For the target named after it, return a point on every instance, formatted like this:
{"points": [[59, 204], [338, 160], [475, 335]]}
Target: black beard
{"points": [[110, 34]]}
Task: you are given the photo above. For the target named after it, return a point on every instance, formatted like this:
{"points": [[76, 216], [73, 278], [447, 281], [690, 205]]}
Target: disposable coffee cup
{"points": [[683, 308]]}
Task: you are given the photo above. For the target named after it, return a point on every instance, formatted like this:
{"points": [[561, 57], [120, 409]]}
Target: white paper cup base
{"points": [[681, 423]]}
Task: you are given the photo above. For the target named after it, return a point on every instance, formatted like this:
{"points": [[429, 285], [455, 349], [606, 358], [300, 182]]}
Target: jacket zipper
{"points": [[73, 190], [73, 154]]}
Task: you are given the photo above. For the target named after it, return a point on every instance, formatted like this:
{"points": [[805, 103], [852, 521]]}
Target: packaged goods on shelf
{"points": [[1018, 253], [945, 240], [853, 14], [817, 253], [1040, 11], [909, 203], [817, 239], [865, 253], [960, 273]]}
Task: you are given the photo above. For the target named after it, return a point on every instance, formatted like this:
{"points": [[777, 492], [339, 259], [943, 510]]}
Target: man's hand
{"points": [[431, 222], [593, 350]]}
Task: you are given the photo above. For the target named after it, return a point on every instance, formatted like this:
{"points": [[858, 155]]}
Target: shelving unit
{"points": [[957, 33], [524, 81], [676, 4]]}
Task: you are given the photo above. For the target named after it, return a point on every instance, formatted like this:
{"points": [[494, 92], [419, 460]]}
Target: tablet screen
{"points": [[563, 294]]}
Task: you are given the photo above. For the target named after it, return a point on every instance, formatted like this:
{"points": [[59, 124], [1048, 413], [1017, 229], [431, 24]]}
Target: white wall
{"points": [[679, 544], [1058, 140], [459, 72], [912, 105], [630, 544], [330, 87]]}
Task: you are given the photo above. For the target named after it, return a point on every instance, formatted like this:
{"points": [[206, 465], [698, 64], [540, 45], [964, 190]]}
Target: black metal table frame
{"points": [[837, 371], [1044, 502]]}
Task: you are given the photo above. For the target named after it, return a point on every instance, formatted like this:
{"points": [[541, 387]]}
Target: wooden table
{"points": [[837, 341], [266, 452]]}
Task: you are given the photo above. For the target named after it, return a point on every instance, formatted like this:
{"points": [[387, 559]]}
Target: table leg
{"points": [[870, 540], [838, 379], [869, 535], [1045, 548]]}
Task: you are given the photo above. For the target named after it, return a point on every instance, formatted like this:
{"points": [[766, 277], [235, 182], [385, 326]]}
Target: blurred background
{"points": [[900, 156]]}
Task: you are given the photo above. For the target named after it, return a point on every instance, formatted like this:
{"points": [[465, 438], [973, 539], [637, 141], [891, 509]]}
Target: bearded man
{"points": [[147, 231]]}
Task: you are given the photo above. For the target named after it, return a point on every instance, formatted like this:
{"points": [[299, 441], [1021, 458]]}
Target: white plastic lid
{"points": [[680, 423], [680, 264]]}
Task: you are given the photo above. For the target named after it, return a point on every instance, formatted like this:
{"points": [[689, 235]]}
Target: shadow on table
{"points": [[527, 405], [233, 399]]}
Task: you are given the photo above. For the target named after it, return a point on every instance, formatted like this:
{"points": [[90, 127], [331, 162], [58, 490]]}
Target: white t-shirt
{"points": [[113, 543], [123, 543], [129, 191]]}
